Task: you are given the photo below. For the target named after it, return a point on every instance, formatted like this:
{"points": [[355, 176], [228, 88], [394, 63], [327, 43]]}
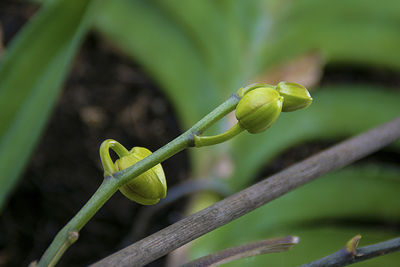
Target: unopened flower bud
{"points": [[258, 109], [149, 187], [295, 96], [244, 90]]}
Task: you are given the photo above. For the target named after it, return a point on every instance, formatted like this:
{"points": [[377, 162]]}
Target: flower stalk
{"points": [[258, 106], [114, 181]]}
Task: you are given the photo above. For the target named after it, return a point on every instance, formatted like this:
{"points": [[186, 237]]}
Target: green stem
{"points": [[111, 183], [63, 239], [200, 141], [106, 161], [178, 144]]}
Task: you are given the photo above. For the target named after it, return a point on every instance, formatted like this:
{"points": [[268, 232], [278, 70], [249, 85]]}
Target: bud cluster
{"points": [[262, 104]]}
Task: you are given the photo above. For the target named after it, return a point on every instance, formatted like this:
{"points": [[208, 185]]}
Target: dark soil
{"points": [[360, 74]]}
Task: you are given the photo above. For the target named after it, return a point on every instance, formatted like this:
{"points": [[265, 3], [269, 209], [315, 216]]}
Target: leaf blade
{"points": [[31, 73]]}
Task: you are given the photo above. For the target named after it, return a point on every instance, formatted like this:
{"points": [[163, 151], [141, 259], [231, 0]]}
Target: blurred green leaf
{"points": [[318, 213], [31, 73], [357, 31], [200, 51], [215, 39], [336, 112]]}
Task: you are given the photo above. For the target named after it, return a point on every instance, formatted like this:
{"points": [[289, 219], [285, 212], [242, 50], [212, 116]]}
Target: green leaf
{"points": [[31, 73], [357, 31], [217, 42], [318, 213], [336, 112]]}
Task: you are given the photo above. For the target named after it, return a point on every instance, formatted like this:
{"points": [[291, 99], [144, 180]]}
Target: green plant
{"points": [[252, 38], [206, 57], [132, 172]]}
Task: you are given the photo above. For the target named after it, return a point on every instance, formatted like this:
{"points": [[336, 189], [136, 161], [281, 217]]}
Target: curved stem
{"points": [[118, 148], [200, 141], [111, 183], [106, 161]]}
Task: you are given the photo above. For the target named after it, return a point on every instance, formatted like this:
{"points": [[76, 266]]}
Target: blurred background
{"points": [[76, 72]]}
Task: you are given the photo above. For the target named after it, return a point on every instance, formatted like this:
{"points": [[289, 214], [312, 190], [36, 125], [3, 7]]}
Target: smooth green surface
{"points": [[200, 141], [31, 73], [295, 96], [216, 40], [355, 32], [259, 109], [321, 214], [149, 187]]}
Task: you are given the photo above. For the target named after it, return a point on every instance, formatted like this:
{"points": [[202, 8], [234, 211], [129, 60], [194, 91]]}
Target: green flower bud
{"points": [[244, 90], [149, 187], [295, 96], [258, 109]]}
